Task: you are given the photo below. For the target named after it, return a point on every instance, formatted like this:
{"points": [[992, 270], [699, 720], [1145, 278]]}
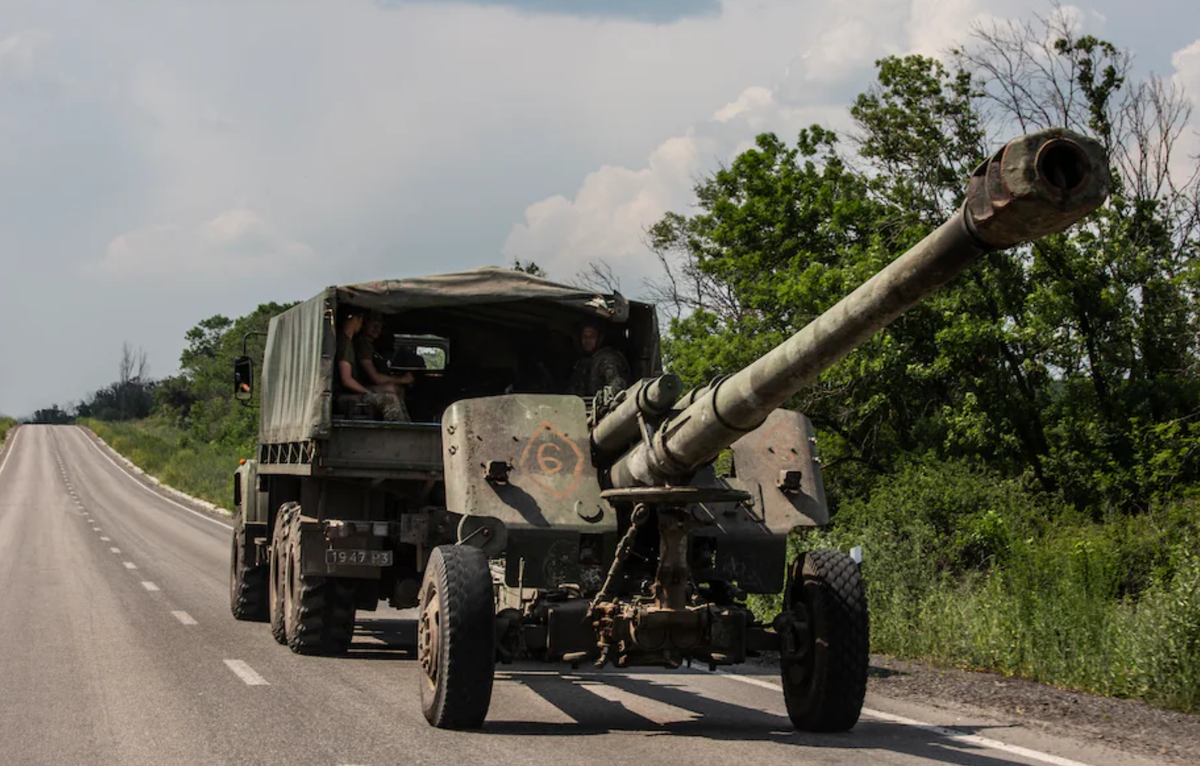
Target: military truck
{"points": [[528, 521]]}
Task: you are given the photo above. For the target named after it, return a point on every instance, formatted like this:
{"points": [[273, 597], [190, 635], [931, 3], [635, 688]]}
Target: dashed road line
{"points": [[130, 565], [105, 539], [246, 673], [115, 550], [149, 586], [185, 618]]}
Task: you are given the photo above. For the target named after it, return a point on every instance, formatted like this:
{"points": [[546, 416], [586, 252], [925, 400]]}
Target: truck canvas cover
{"points": [[297, 375]]}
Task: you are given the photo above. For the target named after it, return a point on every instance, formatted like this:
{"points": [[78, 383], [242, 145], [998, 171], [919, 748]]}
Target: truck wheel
{"points": [[247, 584], [277, 562], [456, 638], [826, 651], [318, 611]]}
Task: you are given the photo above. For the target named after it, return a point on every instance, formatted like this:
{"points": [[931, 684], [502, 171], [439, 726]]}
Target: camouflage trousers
{"points": [[382, 403], [385, 405]]}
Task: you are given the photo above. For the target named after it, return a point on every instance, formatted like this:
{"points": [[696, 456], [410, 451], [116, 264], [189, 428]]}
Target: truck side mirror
{"points": [[243, 378]]}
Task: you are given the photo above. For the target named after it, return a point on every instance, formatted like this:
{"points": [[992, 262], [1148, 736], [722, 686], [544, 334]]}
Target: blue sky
{"points": [[164, 161]]}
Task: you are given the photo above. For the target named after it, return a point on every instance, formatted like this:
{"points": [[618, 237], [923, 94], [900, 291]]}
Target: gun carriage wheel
{"points": [[824, 647], [455, 638]]}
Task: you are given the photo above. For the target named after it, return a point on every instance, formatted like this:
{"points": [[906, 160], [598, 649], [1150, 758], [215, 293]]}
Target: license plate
{"points": [[358, 557]]}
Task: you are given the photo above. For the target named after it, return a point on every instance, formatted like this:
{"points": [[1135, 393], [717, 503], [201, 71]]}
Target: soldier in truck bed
{"points": [[383, 403], [601, 366], [372, 364]]}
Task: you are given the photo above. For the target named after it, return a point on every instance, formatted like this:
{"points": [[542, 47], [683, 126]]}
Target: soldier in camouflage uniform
{"points": [[382, 402], [601, 366]]}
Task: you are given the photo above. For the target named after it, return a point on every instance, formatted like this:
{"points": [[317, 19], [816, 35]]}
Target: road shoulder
{"points": [[1124, 725]]}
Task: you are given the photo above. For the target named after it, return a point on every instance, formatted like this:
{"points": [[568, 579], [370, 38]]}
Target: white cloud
{"points": [[1186, 62], [607, 217], [26, 62], [19, 53], [236, 242], [609, 213]]}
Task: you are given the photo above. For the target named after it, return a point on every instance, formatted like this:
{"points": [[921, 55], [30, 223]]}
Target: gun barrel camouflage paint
{"points": [[1038, 184], [619, 428]]}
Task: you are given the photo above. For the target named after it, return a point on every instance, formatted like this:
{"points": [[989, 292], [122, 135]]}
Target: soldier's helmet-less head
{"points": [[591, 337]]}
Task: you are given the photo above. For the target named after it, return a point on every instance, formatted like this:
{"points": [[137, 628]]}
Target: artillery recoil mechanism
{"points": [[597, 529]]}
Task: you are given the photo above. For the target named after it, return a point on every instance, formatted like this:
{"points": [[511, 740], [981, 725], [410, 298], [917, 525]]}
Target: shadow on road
{"points": [[573, 693], [718, 720], [385, 639]]}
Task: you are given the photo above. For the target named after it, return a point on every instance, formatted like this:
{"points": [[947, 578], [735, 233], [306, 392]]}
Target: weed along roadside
{"points": [[6, 424], [970, 570]]}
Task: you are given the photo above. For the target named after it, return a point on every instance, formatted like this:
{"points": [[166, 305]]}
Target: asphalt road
{"points": [[117, 647]]}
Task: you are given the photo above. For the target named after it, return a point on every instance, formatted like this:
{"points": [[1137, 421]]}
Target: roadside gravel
{"points": [[1128, 725]]}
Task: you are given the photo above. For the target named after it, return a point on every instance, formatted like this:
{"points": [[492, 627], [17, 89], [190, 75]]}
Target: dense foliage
{"points": [[966, 567], [1071, 362]]}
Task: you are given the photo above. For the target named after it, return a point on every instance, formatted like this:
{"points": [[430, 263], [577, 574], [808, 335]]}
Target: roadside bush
{"points": [[966, 569]]}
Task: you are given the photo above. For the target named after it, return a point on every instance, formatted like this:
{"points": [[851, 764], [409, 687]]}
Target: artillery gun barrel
{"points": [[619, 428], [1038, 184]]}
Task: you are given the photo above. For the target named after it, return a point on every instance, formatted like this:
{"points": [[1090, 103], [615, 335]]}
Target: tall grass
{"points": [[5, 425], [967, 570], [165, 452]]}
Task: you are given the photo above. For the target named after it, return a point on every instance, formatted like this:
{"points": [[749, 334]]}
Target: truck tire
{"points": [[318, 611], [277, 571], [456, 638], [825, 678], [247, 584]]}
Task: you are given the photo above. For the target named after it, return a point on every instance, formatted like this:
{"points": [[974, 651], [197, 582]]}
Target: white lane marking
{"points": [[130, 565], [246, 673], [659, 712], [958, 736], [131, 477], [149, 586], [185, 618], [105, 539], [95, 529], [11, 444], [115, 550]]}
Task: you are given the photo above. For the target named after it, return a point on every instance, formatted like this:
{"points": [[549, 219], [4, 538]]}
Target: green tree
{"points": [[200, 397]]}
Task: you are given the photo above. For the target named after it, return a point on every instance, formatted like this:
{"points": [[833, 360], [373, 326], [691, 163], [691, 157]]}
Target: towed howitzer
{"points": [[637, 553]]}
